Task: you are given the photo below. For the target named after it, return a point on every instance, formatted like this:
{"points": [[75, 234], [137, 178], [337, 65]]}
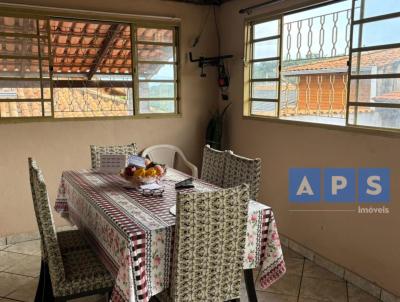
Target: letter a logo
{"points": [[304, 185]]}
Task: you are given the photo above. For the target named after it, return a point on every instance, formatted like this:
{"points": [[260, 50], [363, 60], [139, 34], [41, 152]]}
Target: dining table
{"points": [[132, 233]]}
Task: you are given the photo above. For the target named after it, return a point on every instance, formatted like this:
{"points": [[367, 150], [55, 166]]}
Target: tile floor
{"points": [[303, 282]]}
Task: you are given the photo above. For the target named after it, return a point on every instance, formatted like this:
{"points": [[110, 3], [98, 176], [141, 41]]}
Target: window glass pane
{"points": [[47, 108], [265, 90], [315, 48], [266, 49], [107, 99], [77, 45], [264, 108], [155, 35], [18, 25], [377, 33], [46, 89], [265, 70], [156, 71], [23, 68], [266, 29], [20, 89], [161, 106], [149, 52], [374, 8], [156, 90], [20, 109], [18, 46], [376, 62], [375, 90], [375, 117]]}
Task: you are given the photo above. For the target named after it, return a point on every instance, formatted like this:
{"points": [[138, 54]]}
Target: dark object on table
{"points": [[185, 184]]}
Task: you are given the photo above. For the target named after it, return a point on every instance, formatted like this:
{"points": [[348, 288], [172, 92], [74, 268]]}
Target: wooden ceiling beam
{"points": [[107, 44]]}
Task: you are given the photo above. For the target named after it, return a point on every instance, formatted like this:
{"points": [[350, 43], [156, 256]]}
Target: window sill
{"points": [[17, 120], [354, 129]]}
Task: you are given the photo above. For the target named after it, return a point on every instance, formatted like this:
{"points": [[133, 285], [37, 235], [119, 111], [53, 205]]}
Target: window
{"points": [[71, 68], [25, 86], [334, 64]]}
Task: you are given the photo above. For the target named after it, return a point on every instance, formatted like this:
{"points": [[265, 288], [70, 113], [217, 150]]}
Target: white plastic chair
{"points": [[165, 154]]}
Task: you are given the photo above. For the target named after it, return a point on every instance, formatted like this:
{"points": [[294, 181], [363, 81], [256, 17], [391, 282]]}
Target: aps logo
{"points": [[339, 185]]}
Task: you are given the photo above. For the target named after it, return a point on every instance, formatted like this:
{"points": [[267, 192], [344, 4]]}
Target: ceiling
{"points": [[203, 2]]}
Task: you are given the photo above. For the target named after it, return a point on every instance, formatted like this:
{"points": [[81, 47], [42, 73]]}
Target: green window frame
{"points": [[163, 88], [361, 28]]}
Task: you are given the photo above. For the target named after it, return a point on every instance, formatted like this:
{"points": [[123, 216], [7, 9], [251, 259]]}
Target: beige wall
{"points": [[367, 244], [65, 145]]}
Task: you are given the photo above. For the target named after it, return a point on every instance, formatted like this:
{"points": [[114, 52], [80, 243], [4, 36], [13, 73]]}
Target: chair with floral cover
{"points": [[213, 167], [209, 245], [240, 170], [97, 151], [70, 266]]}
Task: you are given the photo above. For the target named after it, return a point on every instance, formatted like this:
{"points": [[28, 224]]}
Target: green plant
{"points": [[214, 129]]}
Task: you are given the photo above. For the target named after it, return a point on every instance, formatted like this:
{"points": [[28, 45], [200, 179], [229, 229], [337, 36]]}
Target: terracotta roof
{"points": [[76, 45], [369, 59], [79, 48], [390, 96]]}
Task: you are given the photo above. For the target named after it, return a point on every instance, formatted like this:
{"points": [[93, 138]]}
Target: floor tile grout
{"points": [[19, 253], [301, 279], [19, 274]]}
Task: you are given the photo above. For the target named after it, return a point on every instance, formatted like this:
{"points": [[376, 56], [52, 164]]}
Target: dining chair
{"points": [[209, 245], [165, 154], [239, 169], [97, 151], [213, 166], [67, 272]]}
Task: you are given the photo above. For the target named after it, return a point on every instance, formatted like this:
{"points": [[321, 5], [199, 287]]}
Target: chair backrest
{"points": [[45, 221], [213, 167], [165, 154], [209, 245], [32, 179], [240, 170], [97, 151]]}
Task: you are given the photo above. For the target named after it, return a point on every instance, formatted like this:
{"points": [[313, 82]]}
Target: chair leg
{"points": [[40, 287], [47, 288], [250, 288]]}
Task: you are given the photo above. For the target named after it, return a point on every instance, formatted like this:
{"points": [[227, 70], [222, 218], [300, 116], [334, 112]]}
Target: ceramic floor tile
{"points": [[294, 266], [28, 248], [358, 295], [8, 259], [271, 297], [10, 282], [29, 266], [309, 300], [315, 271], [287, 285], [25, 292], [288, 253], [324, 290]]}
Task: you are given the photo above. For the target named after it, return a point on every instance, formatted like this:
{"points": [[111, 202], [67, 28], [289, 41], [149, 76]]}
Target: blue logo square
{"points": [[304, 185], [339, 185], [374, 185]]}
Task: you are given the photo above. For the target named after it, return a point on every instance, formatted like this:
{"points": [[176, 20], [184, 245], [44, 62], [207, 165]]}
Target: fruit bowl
{"points": [[139, 176]]}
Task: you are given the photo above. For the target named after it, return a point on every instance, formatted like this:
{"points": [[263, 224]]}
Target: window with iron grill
{"points": [[333, 64]]}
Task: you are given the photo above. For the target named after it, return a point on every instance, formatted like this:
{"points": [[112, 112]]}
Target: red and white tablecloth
{"points": [[132, 233]]}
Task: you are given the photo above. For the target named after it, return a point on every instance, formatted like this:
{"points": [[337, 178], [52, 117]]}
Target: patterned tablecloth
{"points": [[132, 234]]}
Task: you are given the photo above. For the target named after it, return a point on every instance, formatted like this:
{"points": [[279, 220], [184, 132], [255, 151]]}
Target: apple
{"points": [[129, 171], [159, 169]]}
